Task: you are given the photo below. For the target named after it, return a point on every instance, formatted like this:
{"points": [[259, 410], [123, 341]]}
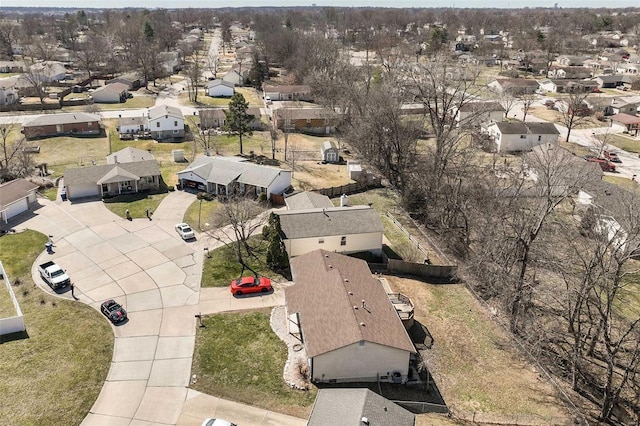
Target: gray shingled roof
{"points": [[327, 287], [129, 155], [331, 221], [92, 174], [288, 89], [218, 82], [482, 106], [347, 407], [224, 170], [12, 191], [524, 128], [63, 118], [162, 110], [308, 200]]}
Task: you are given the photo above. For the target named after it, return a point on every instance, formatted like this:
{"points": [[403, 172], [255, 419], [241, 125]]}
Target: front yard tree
{"points": [[238, 120], [574, 111], [11, 143]]}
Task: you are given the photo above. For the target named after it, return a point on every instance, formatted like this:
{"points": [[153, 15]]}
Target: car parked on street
{"points": [[114, 311], [185, 231], [605, 165], [611, 156], [247, 285]]}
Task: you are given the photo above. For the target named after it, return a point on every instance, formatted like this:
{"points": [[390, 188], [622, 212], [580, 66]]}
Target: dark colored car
{"points": [[246, 285], [114, 311]]}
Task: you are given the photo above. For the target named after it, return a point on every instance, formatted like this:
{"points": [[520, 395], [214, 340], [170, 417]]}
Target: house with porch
{"points": [[626, 123], [228, 175], [16, 196], [345, 321]]}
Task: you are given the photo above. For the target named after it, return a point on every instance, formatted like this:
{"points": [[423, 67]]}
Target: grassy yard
{"points": [[6, 305], [623, 142], [622, 182], [50, 193], [222, 267], [204, 211], [237, 356], [473, 361], [54, 374], [65, 151], [203, 100], [137, 204]]}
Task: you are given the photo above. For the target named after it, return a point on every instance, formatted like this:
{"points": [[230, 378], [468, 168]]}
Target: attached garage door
{"points": [[17, 208], [79, 191]]}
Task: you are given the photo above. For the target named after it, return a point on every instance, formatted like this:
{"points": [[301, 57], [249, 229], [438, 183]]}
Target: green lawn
{"points": [[200, 212], [137, 204], [237, 356], [222, 267], [54, 373], [623, 142], [50, 193], [203, 100]]}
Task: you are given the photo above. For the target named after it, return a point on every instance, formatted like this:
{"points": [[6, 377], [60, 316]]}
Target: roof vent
{"points": [[361, 324], [330, 266], [350, 293], [355, 307], [365, 421], [326, 255], [346, 280]]}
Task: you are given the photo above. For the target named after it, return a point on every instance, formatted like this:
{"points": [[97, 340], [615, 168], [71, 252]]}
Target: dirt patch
{"points": [[473, 361]]}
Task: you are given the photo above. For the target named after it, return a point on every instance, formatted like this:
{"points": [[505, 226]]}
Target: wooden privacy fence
{"points": [[350, 188]]}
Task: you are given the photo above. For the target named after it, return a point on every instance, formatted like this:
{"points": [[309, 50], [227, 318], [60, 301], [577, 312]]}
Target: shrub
{"points": [[171, 188]]}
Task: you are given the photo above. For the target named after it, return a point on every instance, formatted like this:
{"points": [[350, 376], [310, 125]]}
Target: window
{"points": [[539, 138], [343, 241], [523, 136], [175, 123], [321, 241], [176, 131], [308, 121], [157, 124], [90, 124]]}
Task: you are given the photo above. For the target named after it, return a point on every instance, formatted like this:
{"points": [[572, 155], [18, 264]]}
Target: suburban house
{"points": [[615, 80], [8, 95], [133, 81], [16, 197], [237, 76], [227, 175], [340, 229], [329, 152], [305, 120], [72, 123], [288, 93], [111, 93], [219, 88], [307, 200], [215, 118], [350, 406], [627, 105], [132, 125], [48, 71], [516, 86], [480, 112], [513, 137], [127, 171], [626, 123], [347, 324], [11, 66], [169, 62], [165, 122]]}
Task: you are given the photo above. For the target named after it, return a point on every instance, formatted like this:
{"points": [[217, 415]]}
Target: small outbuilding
{"points": [[329, 152]]}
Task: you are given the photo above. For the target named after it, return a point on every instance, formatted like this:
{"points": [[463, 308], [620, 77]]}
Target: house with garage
{"points": [[315, 121], [476, 113], [212, 118], [626, 105], [515, 137], [329, 152], [165, 122], [288, 93], [112, 179], [16, 196], [515, 86], [357, 407], [219, 88], [72, 123], [339, 229], [225, 176], [110, 93], [133, 81], [347, 324]]}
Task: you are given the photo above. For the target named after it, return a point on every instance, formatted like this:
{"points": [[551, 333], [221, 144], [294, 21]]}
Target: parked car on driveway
{"points": [[611, 156], [185, 231], [246, 285], [114, 311]]}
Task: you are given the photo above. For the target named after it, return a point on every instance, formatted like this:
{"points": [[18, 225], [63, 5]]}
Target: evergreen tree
{"points": [[238, 120]]}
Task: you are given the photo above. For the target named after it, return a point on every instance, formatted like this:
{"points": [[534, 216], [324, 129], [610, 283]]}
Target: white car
{"points": [[185, 231], [217, 422]]}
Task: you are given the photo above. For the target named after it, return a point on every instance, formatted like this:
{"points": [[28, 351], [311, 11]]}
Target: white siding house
{"points": [[15, 197], [513, 137], [349, 327], [111, 93], [476, 113], [338, 229], [166, 122], [219, 89]]}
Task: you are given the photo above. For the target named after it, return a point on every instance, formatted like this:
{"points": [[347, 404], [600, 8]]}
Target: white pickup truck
{"points": [[54, 275]]}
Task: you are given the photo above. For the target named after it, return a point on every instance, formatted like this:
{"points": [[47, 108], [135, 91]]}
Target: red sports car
{"points": [[246, 285]]}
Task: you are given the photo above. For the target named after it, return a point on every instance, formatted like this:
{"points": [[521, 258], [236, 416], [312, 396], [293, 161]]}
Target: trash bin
{"points": [[49, 247], [63, 194]]}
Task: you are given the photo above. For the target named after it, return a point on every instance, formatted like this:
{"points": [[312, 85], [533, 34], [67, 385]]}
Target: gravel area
{"points": [[296, 357]]}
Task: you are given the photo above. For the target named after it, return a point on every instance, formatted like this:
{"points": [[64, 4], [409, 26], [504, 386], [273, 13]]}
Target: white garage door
{"points": [[17, 208], [79, 191]]}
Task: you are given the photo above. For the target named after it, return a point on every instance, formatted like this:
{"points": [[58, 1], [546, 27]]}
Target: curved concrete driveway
{"points": [[145, 266]]}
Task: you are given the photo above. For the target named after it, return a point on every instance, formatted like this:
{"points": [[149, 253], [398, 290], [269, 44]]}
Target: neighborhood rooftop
{"points": [[310, 223], [524, 128], [224, 170], [328, 294], [62, 118], [308, 200], [14, 190], [93, 174]]}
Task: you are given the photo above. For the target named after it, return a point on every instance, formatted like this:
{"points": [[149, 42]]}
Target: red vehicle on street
{"points": [[611, 156], [605, 165], [246, 285]]}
